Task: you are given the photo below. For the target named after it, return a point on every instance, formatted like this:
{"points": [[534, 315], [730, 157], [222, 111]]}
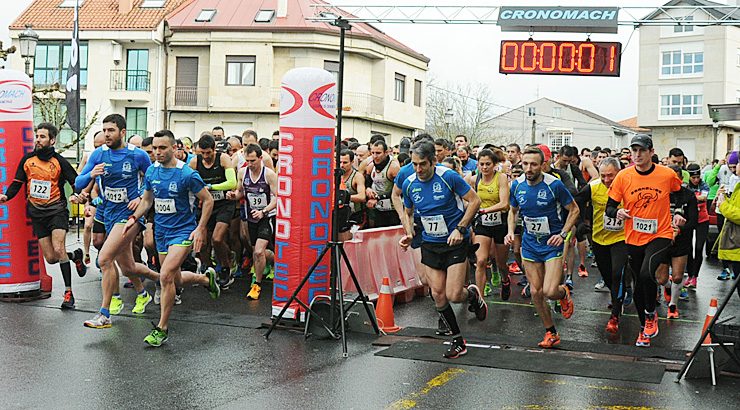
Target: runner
{"points": [[610, 251], [701, 191], [98, 140], [354, 183], [540, 198], [490, 228], [442, 149], [469, 165], [119, 167], [379, 186], [239, 158], [45, 172], [513, 157], [216, 170], [258, 185], [644, 192], [436, 195], [169, 185]]}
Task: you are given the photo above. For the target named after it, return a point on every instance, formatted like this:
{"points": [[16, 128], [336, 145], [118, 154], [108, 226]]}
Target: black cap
{"points": [[404, 146], [642, 140]]}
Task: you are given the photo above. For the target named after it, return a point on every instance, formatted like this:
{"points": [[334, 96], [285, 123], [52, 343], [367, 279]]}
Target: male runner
{"points": [[442, 149], [469, 165], [119, 167], [644, 192], [540, 198], [354, 183], [216, 170], [218, 133], [98, 140], [258, 186], [169, 185], [45, 172], [379, 182], [436, 195]]}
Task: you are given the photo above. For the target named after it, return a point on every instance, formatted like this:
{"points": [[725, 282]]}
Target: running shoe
{"points": [[254, 293], [526, 292], [99, 321], [514, 269], [69, 300], [128, 284], [506, 290], [226, 282], [627, 297], [667, 293], [178, 299], [642, 340], [724, 275], [157, 295], [495, 279], [600, 286], [693, 282], [479, 305], [87, 259], [234, 267], [457, 348], [442, 328], [569, 282], [687, 283], [213, 287], [590, 254], [551, 340], [523, 282], [612, 326], [594, 264], [555, 306], [567, 304], [684, 294], [269, 272], [78, 259], [582, 272], [651, 325], [672, 312], [141, 302], [487, 289], [156, 338], [246, 263], [116, 305]]}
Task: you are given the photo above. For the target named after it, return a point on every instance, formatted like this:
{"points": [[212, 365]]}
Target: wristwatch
{"points": [[564, 234], [462, 229]]}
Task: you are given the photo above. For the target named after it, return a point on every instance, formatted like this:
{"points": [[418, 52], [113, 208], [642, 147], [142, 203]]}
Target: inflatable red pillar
{"points": [[20, 261], [308, 105]]}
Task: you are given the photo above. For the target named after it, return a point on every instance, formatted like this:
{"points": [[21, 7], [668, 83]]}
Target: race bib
{"points": [[384, 205], [218, 195], [645, 225], [164, 206], [257, 202], [613, 224], [116, 195], [491, 219], [435, 225], [40, 189], [537, 226]]}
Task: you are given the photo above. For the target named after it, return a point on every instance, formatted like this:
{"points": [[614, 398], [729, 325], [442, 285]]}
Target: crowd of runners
{"points": [[181, 213]]}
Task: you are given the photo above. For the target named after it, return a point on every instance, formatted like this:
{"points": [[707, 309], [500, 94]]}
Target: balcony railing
{"points": [[187, 96], [361, 104], [129, 80]]}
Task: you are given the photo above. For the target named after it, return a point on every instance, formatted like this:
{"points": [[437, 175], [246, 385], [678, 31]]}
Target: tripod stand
{"points": [[337, 248]]}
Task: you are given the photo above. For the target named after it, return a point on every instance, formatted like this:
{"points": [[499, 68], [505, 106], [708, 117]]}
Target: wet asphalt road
{"points": [[215, 358]]}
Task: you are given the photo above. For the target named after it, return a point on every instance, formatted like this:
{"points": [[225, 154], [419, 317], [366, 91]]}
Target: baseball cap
{"points": [[545, 150], [733, 158], [642, 140], [404, 146]]}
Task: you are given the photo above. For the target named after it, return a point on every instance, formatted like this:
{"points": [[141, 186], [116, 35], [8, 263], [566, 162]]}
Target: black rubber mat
{"points": [[537, 362], [569, 345]]}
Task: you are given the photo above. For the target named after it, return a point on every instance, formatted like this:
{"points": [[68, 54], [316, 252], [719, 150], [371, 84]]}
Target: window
{"points": [[240, 70], [417, 93], [333, 68], [137, 70], [686, 28], [676, 63], [66, 135], [400, 88], [557, 112], [557, 138], [531, 112], [52, 61], [264, 16], [152, 4], [205, 16], [680, 105], [136, 122], [70, 3]]}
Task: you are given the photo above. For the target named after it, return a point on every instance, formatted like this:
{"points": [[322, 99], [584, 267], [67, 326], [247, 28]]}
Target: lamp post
{"points": [[448, 120], [28, 40]]}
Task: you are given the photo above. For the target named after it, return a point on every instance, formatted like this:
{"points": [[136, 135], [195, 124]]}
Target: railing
{"points": [[132, 132], [362, 104], [187, 96], [129, 80]]}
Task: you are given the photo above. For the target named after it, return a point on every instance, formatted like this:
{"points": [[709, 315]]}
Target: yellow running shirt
{"points": [[606, 231]]}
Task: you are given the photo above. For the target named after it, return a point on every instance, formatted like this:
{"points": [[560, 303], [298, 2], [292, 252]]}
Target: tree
{"points": [[469, 105]]}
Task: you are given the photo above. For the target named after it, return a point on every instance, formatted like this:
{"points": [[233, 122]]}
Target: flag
{"points": [[73, 76]]}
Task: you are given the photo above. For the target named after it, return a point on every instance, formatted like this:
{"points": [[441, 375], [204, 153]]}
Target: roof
{"points": [[94, 15], [239, 15], [631, 123], [718, 13]]}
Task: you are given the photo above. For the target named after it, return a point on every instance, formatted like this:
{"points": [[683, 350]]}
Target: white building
{"points": [[682, 69], [556, 124]]}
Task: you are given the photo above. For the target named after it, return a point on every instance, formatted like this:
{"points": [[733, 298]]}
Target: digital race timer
{"points": [[560, 57]]}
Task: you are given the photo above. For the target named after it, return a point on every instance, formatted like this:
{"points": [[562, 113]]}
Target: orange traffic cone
{"points": [[384, 309], [710, 315]]}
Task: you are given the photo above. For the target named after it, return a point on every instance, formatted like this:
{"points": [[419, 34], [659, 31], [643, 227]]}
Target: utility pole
{"points": [[534, 132]]}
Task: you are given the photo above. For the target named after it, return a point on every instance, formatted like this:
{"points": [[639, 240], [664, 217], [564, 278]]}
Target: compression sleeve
{"points": [[611, 208], [19, 180], [230, 182]]}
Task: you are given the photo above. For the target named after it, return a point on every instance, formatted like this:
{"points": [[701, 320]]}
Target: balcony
{"points": [[129, 80], [355, 104], [187, 96]]}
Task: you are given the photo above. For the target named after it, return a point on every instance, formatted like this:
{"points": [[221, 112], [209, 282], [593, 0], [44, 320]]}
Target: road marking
{"points": [[438, 381], [608, 388]]}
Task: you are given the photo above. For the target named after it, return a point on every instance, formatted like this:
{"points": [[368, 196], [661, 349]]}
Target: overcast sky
{"points": [[469, 53]]}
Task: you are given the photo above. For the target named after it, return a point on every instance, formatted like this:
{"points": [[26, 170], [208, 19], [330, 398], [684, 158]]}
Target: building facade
{"points": [[682, 70], [556, 124]]}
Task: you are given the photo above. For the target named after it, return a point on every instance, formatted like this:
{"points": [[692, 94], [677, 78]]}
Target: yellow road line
{"points": [[438, 381], [611, 388]]}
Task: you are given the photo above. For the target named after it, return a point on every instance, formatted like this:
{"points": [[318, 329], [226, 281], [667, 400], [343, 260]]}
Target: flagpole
{"points": [[76, 36]]}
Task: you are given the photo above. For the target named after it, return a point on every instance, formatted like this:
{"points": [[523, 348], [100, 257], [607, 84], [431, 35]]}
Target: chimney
{"points": [[124, 6], [282, 8]]}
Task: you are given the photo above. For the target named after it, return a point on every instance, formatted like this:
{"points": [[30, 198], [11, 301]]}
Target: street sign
{"points": [[582, 58]]}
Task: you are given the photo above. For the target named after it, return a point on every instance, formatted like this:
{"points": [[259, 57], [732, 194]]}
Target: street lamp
{"points": [[448, 120], [28, 39]]}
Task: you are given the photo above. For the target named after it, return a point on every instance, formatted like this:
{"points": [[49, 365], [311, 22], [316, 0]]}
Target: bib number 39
{"points": [[40, 189], [257, 202]]}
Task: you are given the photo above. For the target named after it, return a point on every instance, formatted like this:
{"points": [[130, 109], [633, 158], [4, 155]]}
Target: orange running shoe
{"points": [[612, 326], [642, 340], [566, 304], [651, 326], [514, 268], [672, 312], [551, 340]]}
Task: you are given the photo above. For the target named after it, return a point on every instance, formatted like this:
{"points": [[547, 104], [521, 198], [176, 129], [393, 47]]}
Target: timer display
{"points": [[586, 58]]}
